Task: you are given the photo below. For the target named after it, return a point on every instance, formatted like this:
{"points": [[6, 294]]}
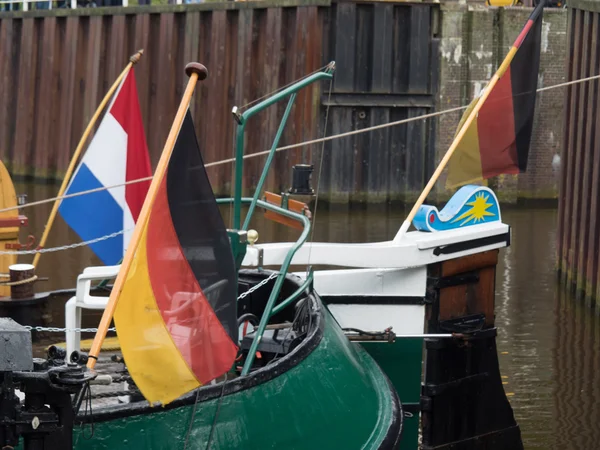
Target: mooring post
{"points": [[22, 277]]}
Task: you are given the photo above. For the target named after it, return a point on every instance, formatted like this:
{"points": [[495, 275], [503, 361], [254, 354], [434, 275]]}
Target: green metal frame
{"points": [[270, 310], [239, 248], [239, 156], [263, 176], [242, 119]]}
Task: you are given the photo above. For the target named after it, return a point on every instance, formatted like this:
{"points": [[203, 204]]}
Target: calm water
{"points": [[548, 342]]}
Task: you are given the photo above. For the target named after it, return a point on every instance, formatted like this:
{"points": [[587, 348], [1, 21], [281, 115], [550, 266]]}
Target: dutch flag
{"points": [[117, 153]]}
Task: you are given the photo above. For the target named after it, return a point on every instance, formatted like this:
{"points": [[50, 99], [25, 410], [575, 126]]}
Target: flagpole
{"points": [[133, 59], [486, 92], [195, 71]]}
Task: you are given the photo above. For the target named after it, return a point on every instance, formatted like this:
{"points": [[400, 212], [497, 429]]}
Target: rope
{"points": [[292, 146], [122, 378], [386, 125], [312, 232], [189, 431], [76, 194], [18, 283], [214, 424], [283, 87], [111, 394], [88, 405]]}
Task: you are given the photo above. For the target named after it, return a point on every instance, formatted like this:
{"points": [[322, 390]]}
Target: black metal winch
{"points": [[44, 415]]}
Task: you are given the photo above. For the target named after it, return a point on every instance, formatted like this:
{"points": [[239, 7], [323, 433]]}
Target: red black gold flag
{"points": [[497, 141], [176, 316]]}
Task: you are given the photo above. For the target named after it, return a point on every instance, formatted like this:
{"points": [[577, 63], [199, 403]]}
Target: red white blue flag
{"points": [[118, 153]]}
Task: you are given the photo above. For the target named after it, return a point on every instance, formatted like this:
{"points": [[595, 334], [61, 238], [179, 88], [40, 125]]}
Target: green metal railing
{"points": [[270, 308], [270, 157], [242, 119], [239, 156]]}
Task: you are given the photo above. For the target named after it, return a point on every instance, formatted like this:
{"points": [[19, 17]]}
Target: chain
{"points": [[64, 247], [258, 286], [63, 330], [93, 330]]}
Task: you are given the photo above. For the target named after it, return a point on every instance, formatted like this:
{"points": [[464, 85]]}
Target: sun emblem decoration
{"points": [[478, 211]]}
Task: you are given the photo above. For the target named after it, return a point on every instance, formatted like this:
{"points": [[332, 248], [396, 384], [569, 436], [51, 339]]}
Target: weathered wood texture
{"points": [[471, 297], [59, 64], [578, 226], [387, 57]]}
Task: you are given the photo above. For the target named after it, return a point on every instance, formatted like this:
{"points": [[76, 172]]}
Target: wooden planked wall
{"points": [[59, 64], [578, 231], [62, 67], [388, 67]]}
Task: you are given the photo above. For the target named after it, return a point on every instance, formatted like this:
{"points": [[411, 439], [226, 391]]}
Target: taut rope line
{"points": [[292, 146], [256, 100]]}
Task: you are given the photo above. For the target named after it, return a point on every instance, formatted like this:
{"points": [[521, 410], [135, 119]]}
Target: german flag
{"points": [[176, 315], [497, 141]]}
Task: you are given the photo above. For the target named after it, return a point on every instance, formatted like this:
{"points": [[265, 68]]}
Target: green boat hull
{"points": [[327, 393], [402, 363]]}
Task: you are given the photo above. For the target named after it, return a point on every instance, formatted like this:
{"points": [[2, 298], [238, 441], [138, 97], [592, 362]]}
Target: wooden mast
{"points": [[195, 71], [133, 59], [471, 117]]}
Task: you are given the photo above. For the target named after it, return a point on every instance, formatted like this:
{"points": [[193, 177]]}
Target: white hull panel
{"points": [[404, 319]]}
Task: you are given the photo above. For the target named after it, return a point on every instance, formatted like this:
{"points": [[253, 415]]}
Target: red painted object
{"points": [[18, 221]]}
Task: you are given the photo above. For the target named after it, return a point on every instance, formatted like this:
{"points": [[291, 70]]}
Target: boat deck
{"points": [[112, 393], [117, 389]]}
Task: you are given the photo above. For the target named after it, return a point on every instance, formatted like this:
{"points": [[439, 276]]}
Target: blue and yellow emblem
{"points": [[470, 205]]}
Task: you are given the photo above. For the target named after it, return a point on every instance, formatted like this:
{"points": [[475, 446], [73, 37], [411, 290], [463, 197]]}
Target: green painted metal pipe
{"points": [[274, 294], [263, 176], [268, 206], [295, 295], [239, 156], [285, 93], [268, 312]]}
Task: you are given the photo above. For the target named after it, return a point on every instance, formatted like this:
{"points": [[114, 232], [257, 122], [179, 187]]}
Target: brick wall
{"points": [[474, 41]]}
